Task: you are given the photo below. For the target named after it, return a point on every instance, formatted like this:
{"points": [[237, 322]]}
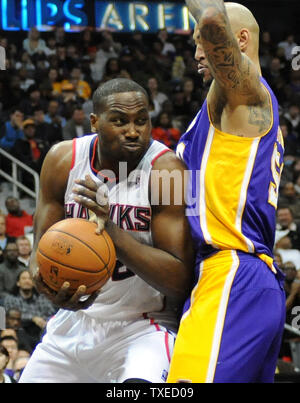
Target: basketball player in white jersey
{"points": [[121, 334]]}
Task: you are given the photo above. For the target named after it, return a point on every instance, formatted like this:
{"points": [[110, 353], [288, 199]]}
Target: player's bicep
{"points": [[171, 233], [169, 225], [53, 180]]}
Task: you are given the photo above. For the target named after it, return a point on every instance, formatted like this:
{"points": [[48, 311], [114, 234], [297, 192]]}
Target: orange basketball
{"points": [[71, 251]]}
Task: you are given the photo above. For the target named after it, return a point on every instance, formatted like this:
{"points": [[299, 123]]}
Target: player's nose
{"points": [[132, 132], [199, 54]]}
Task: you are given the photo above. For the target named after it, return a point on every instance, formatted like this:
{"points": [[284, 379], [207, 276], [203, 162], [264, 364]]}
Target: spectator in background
{"points": [[164, 132], [31, 151], [291, 143], [18, 367], [33, 44], [112, 69], [60, 35], [155, 94], [25, 62], [87, 43], [96, 69], [286, 226], [278, 259], [137, 42], [62, 64], [168, 47], [36, 309], [106, 52], [297, 184], [4, 360], [284, 248], [16, 94], [163, 62], [274, 72], [45, 133], [12, 130], [292, 288], [50, 49], [82, 88], [18, 222], [178, 69], [11, 345], [53, 117], [288, 196], [25, 81], [4, 239], [108, 36], [77, 126], [9, 269], [14, 323], [266, 49], [24, 249], [53, 81], [33, 101], [293, 116], [288, 45], [69, 100]]}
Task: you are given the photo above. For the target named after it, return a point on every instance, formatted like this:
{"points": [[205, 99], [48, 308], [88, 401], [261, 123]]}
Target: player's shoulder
{"points": [[57, 165], [168, 161], [60, 153]]}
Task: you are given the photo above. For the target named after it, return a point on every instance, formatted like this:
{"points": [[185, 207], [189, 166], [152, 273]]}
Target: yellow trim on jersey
{"points": [[224, 179], [199, 338]]}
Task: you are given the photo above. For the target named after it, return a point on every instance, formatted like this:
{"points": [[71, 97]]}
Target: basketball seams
{"points": [[108, 247], [80, 240], [71, 267]]}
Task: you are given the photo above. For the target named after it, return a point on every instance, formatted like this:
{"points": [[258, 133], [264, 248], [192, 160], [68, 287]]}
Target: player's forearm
{"points": [[220, 45], [163, 271], [200, 8]]}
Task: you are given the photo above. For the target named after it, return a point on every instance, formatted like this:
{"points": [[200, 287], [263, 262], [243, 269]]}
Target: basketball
{"points": [[71, 251]]}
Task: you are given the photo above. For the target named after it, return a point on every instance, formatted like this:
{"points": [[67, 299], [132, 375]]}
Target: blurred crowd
{"points": [[45, 98]]}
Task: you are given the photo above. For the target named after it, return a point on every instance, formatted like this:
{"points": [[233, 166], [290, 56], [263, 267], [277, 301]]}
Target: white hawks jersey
{"points": [[125, 296]]}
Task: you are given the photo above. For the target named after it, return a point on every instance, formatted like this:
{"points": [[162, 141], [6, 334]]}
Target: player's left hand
{"points": [[63, 298], [95, 198]]}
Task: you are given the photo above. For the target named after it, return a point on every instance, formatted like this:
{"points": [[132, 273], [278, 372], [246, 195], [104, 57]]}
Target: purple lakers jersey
{"points": [[233, 186]]}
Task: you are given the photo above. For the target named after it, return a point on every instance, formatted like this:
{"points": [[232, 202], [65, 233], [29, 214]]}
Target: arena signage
{"points": [[74, 15]]}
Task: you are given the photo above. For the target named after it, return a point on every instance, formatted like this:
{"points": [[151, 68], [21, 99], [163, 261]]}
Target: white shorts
{"points": [[80, 349]]}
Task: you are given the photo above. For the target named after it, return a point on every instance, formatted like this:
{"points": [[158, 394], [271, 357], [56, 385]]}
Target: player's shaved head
{"points": [[240, 17]]}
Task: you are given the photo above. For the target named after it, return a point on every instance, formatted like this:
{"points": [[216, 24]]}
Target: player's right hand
{"points": [[63, 298]]}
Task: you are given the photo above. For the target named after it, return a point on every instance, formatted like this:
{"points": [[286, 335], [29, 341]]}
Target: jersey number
{"points": [[121, 272]]}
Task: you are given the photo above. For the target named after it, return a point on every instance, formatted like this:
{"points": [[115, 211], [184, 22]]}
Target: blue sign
{"points": [[16, 15]]}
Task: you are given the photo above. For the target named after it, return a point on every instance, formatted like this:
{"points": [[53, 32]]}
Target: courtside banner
{"points": [[75, 15]]}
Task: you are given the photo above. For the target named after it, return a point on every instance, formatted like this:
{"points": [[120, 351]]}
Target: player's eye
{"points": [[118, 121], [141, 121]]}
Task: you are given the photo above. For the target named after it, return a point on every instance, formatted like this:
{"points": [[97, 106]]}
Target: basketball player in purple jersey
{"points": [[232, 324], [123, 333]]}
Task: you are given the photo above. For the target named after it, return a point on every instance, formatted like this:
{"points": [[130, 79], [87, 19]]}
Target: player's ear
{"points": [[243, 39], [94, 121]]}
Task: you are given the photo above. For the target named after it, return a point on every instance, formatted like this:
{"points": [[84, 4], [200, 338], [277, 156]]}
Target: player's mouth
{"points": [[202, 68], [132, 146]]}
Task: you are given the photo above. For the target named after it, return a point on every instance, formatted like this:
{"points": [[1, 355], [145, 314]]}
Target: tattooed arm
{"points": [[235, 74]]}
